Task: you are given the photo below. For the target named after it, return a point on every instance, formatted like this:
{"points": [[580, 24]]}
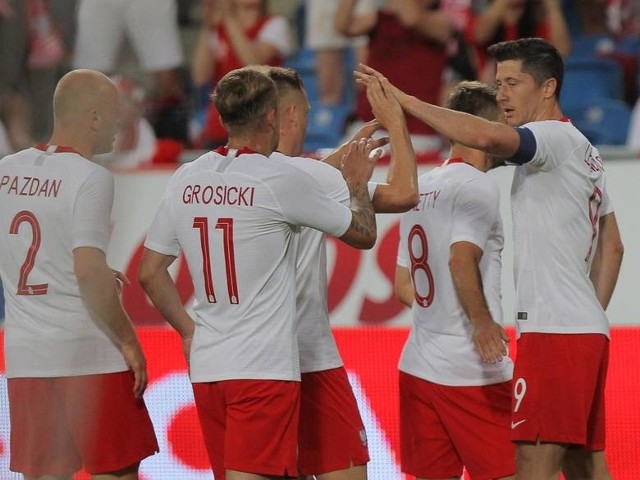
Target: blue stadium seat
{"points": [[585, 45], [603, 121], [588, 77], [326, 126]]}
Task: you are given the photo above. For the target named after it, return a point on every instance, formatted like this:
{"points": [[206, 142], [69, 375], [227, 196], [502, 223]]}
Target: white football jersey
{"points": [[236, 218], [52, 200], [457, 203], [318, 350], [557, 200]]}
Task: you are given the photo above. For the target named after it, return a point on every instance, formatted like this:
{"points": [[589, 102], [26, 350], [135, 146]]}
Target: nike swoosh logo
{"points": [[515, 424]]}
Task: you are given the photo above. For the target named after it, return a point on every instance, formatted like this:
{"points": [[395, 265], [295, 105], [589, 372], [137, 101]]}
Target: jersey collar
{"points": [[224, 150], [55, 148], [454, 160]]}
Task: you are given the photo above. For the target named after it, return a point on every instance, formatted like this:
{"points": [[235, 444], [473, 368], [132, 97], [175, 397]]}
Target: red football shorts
{"points": [[250, 426], [444, 428], [60, 424], [332, 435], [558, 389]]}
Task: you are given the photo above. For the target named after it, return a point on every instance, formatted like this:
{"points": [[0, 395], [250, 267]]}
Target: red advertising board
{"points": [[370, 355]]}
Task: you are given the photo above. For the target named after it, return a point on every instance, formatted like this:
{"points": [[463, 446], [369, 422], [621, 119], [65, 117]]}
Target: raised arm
{"points": [[155, 279], [475, 132], [203, 64], [436, 25], [400, 192], [357, 167], [607, 260], [98, 288], [558, 28], [348, 23], [488, 336]]}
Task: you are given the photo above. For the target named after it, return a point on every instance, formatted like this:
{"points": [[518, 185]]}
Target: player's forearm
{"points": [[403, 286], [605, 267], [400, 193], [98, 290], [467, 283], [470, 130], [162, 292], [362, 231]]}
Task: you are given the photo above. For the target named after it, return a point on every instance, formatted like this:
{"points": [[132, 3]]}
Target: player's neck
{"points": [[260, 144], [73, 139], [550, 111], [473, 157]]}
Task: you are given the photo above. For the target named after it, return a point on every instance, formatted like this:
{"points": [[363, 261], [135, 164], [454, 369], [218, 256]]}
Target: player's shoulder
{"points": [[316, 171]]}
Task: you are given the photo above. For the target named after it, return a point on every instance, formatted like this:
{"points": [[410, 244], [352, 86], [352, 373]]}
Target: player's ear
{"points": [[95, 120], [550, 85]]}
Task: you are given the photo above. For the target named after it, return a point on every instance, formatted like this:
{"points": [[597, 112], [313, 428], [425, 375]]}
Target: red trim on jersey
{"points": [[45, 147], [565, 119], [224, 150], [455, 160]]}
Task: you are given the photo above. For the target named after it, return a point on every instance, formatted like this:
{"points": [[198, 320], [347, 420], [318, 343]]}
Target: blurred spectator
{"points": [[623, 17], [152, 28], [235, 33], [495, 21], [32, 54], [407, 43], [135, 142], [330, 47]]}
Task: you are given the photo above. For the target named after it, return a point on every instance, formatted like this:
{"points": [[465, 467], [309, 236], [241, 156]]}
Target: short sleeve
{"points": [[276, 32], [551, 141], [304, 202], [92, 211], [162, 236], [607, 203], [476, 210]]}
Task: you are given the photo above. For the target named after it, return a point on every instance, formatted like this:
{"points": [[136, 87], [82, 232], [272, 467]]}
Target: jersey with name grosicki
{"points": [[52, 201], [237, 219], [557, 199], [458, 203]]}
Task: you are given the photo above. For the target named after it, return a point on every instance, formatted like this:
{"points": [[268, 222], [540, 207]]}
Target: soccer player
{"points": [[568, 253], [332, 441], [455, 375], [75, 369], [235, 214]]}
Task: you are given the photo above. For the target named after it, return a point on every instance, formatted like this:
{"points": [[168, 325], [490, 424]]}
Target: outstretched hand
{"points": [[369, 77], [357, 164], [367, 130], [384, 104]]}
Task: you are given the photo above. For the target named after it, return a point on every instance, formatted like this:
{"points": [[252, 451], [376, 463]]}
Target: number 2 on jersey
{"points": [[36, 237], [420, 262], [226, 225]]}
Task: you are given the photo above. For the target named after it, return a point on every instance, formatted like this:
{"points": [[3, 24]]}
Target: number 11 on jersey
{"points": [[226, 225]]}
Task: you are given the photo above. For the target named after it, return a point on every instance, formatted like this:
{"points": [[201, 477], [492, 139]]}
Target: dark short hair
{"points": [[540, 59], [475, 98], [286, 79], [243, 97]]}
